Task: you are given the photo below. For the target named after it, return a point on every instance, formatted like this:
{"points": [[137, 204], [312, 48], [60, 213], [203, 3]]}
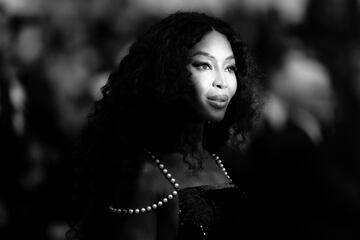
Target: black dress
{"points": [[214, 212]]}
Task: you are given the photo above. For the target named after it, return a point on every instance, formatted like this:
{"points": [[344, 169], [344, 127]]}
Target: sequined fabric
{"points": [[213, 212]]}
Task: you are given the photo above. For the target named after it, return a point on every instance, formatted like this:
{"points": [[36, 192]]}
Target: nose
{"points": [[220, 80]]}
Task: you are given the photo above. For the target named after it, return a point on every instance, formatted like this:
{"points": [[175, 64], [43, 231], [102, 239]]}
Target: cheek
{"points": [[233, 86], [201, 84], [200, 90]]}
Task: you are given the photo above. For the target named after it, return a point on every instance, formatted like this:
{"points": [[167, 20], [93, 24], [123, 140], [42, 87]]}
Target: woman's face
{"points": [[212, 68]]}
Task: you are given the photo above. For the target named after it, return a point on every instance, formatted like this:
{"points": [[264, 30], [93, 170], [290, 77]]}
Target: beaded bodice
{"points": [[212, 212]]}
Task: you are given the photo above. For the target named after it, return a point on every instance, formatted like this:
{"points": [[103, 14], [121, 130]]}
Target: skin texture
{"points": [[212, 69]]}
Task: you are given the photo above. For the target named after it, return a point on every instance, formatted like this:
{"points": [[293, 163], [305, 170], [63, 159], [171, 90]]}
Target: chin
{"points": [[218, 117]]}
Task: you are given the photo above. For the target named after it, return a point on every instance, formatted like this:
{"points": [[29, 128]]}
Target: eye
{"points": [[201, 65], [231, 69]]}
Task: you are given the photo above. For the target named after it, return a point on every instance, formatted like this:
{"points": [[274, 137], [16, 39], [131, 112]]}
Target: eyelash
{"points": [[232, 68], [202, 66], [206, 66]]}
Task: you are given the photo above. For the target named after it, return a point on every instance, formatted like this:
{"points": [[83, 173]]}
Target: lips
{"points": [[218, 101]]}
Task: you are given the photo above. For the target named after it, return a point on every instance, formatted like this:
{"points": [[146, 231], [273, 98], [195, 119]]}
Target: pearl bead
{"points": [[154, 206], [168, 175], [173, 180], [165, 200], [157, 161], [143, 210], [137, 210], [131, 211], [219, 162], [170, 196], [176, 185], [165, 170], [174, 193], [148, 208], [160, 203], [161, 166], [125, 211]]}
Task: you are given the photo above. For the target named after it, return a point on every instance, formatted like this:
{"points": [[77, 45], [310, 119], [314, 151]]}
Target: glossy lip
{"points": [[218, 101]]}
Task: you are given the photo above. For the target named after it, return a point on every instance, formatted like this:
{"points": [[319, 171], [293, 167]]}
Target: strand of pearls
{"points": [[159, 203], [221, 166]]}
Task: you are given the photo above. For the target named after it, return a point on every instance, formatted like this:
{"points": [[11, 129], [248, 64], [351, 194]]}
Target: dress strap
{"points": [[221, 166], [166, 173]]}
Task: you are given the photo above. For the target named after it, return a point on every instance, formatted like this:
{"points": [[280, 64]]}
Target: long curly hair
{"points": [[143, 107]]}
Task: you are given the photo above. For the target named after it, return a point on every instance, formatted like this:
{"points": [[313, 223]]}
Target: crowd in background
{"points": [[56, 55]]}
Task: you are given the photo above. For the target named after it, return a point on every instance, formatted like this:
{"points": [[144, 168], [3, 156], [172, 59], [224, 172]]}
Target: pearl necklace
{"points": [[221, 165], [172, 182]]}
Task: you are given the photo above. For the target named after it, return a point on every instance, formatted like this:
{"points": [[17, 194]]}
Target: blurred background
{"points": [[56, 54]]}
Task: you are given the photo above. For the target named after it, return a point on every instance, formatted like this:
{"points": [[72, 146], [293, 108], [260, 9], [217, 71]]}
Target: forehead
{"points": [[214, 43]]}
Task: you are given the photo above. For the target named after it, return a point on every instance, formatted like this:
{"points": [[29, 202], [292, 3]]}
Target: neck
{"points": [[191, 137], [191, 145], [177, 132], [185, 141]]}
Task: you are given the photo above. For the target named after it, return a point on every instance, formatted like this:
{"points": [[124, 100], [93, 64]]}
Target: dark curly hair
{"points": [[143, 107]]}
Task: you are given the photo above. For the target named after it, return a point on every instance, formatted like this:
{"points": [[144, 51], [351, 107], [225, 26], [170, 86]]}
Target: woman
{"points": [[184, 90]]}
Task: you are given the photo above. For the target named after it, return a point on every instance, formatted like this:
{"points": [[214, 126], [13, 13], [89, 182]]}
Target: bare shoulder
{"points": [[148, 219], [151, 180], [149, 186]]}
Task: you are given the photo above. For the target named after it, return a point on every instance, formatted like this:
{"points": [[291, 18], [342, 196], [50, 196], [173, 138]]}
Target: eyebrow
{"points": [[209, 55]]}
